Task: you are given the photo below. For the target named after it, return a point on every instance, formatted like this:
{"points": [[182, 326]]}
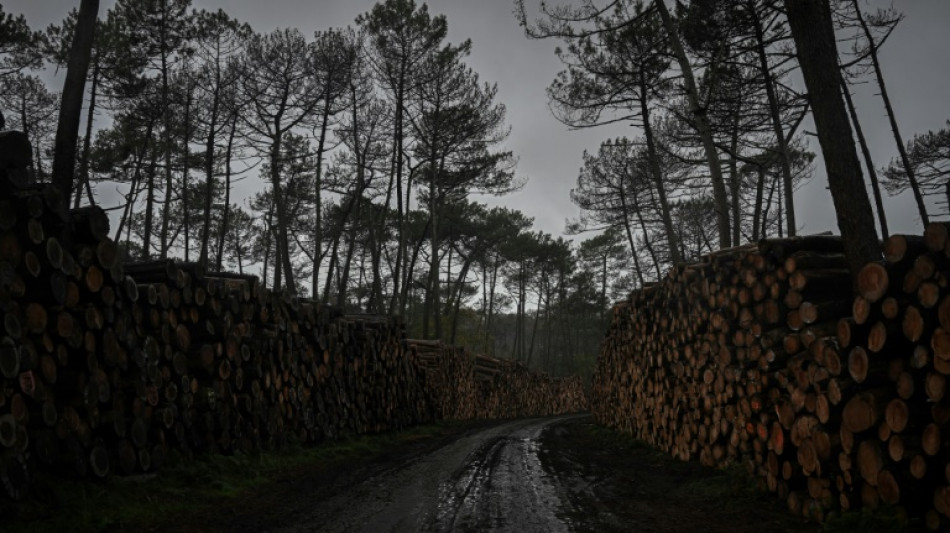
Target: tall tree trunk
{"points": [[394, 306], [489, 341], [166, 137], [448, 283], [810, 23], [522, 301], [409, 262], [361, 282], [278, 261], [734, 179], [534, 332], [25, 127], [149, 208], [480, 324], [185, 208], [132, 196], [433, 297], [646, 239], [226, 214], [345, 274], [633, 245], [353, 206], [458, 298], [781, 205], [331, 267], [701, 123], [757, 210], [67, 130], [375, 228], [868, 162], [268, 239], [768, 205], [210, 142], [318, 194], [282, 234], [657, 173], [777, 129], [891, 117], [87, 140]]}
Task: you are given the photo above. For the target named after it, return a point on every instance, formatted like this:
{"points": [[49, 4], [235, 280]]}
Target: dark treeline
{"points": [[367, 146]]}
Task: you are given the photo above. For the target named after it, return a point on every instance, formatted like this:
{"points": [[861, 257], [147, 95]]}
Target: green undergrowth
{"points": [[188, 486], [881, 520]]}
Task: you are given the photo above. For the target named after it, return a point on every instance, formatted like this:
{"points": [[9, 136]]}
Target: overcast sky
{"points": [[915, 60]]}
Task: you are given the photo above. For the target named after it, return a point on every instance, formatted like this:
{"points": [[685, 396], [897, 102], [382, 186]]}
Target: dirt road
{"points": [[535, 475], [545, 475], [490, 480]]}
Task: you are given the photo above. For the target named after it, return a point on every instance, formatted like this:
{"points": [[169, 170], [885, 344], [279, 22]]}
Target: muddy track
{"points": [[489, 480]]}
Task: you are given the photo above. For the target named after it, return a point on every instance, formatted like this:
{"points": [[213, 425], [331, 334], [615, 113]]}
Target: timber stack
{"points": [[762, 355], [465, 386], [111, 367]]}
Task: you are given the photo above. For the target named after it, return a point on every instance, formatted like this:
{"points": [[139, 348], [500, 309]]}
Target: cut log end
{"points": [[872, 281]]}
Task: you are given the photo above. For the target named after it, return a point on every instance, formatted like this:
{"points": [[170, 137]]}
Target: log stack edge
{"points": [[762, 355]]}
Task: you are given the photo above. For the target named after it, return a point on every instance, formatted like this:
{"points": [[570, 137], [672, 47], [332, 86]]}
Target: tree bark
{"points": [[395, 306], [757, 211], [149, 208], [186, 212], [810, 23], [345, 274], [209, 164], [491, 308], [630, 239], [282, 235], [735, 180], [908, 168], [331, 267], [166, 138], [868, 162], [774, 115], [434, 296], [318, 190], [132, 196], [657, 173], [87, 140], [458, 296], [226, 215], [701, 123], [80, 53]]}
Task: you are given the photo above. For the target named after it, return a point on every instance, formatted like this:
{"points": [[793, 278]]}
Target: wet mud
{"points": [[492, 480]]}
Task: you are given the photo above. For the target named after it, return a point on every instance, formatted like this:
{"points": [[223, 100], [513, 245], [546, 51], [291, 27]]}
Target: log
{"points": [[935, 236], [898, 247], [872, 281]]}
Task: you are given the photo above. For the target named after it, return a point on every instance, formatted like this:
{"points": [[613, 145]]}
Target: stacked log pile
{"points": [[448, 377], [465, 386], [108, 367], [763, 355]]}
